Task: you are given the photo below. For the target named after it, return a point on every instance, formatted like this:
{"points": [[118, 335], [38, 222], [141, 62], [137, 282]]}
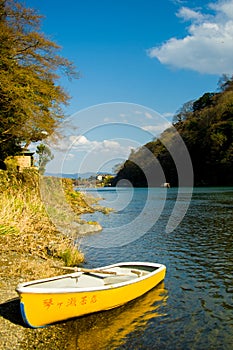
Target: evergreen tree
{"points": [[45, 155]]}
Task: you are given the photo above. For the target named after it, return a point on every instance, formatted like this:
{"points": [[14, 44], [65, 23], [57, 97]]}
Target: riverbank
{"points": [[39, 220]]}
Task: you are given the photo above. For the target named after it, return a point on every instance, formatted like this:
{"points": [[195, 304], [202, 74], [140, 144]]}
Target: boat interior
{"points": [[90, 279]]}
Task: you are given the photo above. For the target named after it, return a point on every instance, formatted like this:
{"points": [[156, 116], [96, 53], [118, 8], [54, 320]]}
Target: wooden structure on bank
{"points": [[25, 160]]}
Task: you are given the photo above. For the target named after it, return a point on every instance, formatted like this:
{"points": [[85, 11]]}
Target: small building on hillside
{"points": [[104, 180], [25, 160], [99, 177]]}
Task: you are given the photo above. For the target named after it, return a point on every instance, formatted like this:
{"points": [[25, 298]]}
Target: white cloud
{"points": [[79, 140], [168, 115], [188, 14], [208, 46], [82, 154], [81, 144], [148, 115], [156, 129], [108, 146], [224, 7]]}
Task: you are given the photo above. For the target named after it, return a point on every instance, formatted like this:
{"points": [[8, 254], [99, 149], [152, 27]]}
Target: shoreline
{"points": [[16, 268], [32, 254]]}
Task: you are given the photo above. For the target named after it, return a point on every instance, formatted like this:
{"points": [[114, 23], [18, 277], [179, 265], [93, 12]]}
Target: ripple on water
{"points": [[198, 255]]}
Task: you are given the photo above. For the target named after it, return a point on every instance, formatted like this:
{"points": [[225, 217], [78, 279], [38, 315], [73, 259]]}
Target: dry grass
{"points": [[31, 243], [20, 206], [39, 220], [23, 212], [26, 229]]}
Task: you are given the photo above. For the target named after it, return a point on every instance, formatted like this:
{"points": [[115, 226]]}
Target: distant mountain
{"points": [[86, 175]]}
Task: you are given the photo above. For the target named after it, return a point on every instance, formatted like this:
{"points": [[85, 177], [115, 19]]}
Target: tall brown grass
{"points": [[24, 219]]}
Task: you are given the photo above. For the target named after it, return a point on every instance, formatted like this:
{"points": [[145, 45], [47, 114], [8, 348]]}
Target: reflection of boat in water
{"points": [[108, 330], [49, 300]]}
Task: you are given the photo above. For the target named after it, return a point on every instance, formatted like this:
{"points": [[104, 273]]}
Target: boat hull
{"points": [[41, 308]]}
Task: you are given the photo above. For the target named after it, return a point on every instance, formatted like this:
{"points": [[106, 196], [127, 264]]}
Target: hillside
{"points": [[206, 127]]}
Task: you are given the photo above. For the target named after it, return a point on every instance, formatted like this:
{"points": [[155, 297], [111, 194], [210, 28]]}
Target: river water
{"points": [[193, 307]]}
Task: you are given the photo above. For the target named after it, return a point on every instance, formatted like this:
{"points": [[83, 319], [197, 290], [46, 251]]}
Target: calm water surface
{"points": [[193, 307]]}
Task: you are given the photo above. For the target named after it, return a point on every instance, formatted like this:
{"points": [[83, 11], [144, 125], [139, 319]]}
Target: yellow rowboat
{"points": [[45, 301]]}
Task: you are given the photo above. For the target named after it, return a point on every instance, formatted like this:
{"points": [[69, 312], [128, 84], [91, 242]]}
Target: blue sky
{"points": [[151, 56]]}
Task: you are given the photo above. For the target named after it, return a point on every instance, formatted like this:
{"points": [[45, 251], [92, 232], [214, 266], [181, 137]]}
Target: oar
{"points": [[81, 269]]}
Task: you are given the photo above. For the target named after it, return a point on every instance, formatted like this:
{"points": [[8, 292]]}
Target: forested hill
{"points": [[206, 127]]}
